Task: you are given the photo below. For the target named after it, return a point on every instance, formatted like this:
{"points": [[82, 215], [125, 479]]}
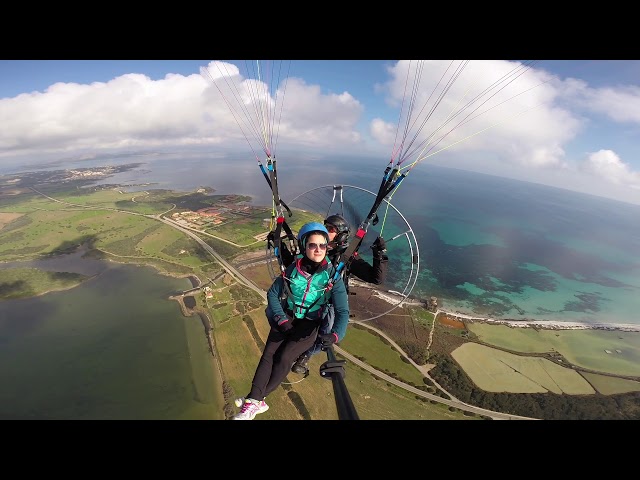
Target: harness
{"points": [[281, 239], [285, 244], [293, 274], [390, 181]]}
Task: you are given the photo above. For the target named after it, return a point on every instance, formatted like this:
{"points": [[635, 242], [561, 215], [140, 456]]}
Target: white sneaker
{"points": [[240, 400], [251, 408]]}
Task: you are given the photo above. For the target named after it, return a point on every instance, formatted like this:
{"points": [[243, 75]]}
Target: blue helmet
{"points": [[309, 228]]}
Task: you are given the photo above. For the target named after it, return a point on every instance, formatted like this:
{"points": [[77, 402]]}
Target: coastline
{"points": [[394, 299], [399, 300], [546, 324]]}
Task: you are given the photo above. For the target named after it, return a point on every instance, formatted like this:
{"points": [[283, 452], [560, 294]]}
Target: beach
{"points": [[401, 301]]}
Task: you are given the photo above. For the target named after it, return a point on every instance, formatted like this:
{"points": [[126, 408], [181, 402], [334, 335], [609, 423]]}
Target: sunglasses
{"points": [[314, 246], [331, 229]]}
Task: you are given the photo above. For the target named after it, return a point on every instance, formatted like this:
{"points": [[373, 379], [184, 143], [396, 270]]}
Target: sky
{"points": [[571, 124]]}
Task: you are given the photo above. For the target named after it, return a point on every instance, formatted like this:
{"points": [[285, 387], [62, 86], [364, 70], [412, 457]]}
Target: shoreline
{"points": [[399, 300], [546, 324], [394, 299]]}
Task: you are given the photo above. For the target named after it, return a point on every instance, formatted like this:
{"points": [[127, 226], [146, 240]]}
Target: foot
{"points": [[251, 408], [300, 365]]}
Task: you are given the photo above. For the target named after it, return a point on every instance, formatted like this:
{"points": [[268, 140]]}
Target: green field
{"points": [[373, 398], [497, 371], [38, 227], [600, 350]]}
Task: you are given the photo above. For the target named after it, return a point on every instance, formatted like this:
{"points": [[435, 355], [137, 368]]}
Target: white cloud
{"points": [[621, 104], [383, 132], [293, 113], [492, 106], [529, 128], [606, 165], [134, 112], [128, 111], [521, 131], [314, 119]]}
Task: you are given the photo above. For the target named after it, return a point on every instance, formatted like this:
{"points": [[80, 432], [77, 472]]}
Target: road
{"points": [[452, 401], [423, 369], [226, 265]]}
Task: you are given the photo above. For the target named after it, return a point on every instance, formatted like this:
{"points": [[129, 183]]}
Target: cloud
{"points": [[128, 111], [499, 107], [383, 132], [621, 104], [133, 111], [293, 112], [606, 165], [499, 117], [318, 120]]}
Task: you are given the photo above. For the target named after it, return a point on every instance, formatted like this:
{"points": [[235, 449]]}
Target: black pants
{"points": [[279, 353]]}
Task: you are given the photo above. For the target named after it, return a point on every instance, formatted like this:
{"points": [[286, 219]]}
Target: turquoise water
{"points": [[488, 246], [459, 233], [516, 250], [116, 348]]}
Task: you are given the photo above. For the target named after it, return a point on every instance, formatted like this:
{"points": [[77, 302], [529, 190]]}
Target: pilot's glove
{"points": [[379, 247], [284, 324], [328, 339]]}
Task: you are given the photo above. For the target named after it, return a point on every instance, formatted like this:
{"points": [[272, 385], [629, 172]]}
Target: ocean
{"points": [[488, 246], [484, 245]]}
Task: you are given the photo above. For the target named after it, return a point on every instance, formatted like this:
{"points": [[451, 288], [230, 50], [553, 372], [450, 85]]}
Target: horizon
{"points": [[572, 125], [573, 251]]}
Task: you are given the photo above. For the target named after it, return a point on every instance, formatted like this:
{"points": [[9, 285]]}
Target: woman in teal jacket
{"points": [[297, 301]]}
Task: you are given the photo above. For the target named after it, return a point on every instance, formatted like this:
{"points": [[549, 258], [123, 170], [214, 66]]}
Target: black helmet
{"points": [[342, 236]]}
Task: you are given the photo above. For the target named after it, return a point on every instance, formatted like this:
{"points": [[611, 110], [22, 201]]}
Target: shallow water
{"points": [[488, 246], [113, 347]]}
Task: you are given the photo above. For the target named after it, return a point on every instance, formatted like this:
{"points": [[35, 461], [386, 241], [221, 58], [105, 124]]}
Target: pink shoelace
{"points": [[248, 405]]}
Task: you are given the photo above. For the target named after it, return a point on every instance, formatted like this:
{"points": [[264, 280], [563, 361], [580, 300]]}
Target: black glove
{"points": [[327, 339], [283, 324], [379, 247]]}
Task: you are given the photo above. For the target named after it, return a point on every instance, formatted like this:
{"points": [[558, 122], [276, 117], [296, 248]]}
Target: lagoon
{"points": [[113, 348]]}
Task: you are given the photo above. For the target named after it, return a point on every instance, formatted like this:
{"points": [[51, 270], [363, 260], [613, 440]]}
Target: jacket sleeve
{"points": [[273, 297], [365, 272], [380, 264], [340, 302]]}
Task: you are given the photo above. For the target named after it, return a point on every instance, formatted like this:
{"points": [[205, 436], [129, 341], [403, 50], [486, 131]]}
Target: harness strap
{"points": [[388, 184], [275, 238], [288, 294]]}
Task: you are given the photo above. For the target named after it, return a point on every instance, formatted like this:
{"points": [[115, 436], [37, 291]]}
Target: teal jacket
{"points": [[307, 289]]}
